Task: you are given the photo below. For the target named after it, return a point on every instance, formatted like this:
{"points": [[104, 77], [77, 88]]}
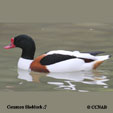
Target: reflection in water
{"points": [[61, 85], [67, 81], [24, 75], [87, 77]]}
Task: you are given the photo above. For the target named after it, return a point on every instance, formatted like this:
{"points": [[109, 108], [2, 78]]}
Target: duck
{"points": [[55, 60]]}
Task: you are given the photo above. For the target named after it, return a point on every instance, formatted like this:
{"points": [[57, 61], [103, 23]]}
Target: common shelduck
{"points": [[54, 61]]}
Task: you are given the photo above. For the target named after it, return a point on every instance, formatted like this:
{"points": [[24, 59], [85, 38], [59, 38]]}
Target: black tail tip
{"points": [[110, 56]]}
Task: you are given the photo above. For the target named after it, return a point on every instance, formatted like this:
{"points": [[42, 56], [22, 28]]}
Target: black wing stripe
{"points": [[54, 58]]}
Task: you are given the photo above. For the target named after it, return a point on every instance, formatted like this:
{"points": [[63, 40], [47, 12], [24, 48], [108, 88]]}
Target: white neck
{"points": [[24, 63]]}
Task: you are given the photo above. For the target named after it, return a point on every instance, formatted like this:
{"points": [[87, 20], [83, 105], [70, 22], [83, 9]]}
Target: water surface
{"points": [[83, 37]]}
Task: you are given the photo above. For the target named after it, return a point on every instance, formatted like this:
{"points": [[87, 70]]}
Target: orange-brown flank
{"points": [[97, 64], [36, 66]]}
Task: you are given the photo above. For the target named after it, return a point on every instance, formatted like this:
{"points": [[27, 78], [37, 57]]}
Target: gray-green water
{"points": [[83, 37]]}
